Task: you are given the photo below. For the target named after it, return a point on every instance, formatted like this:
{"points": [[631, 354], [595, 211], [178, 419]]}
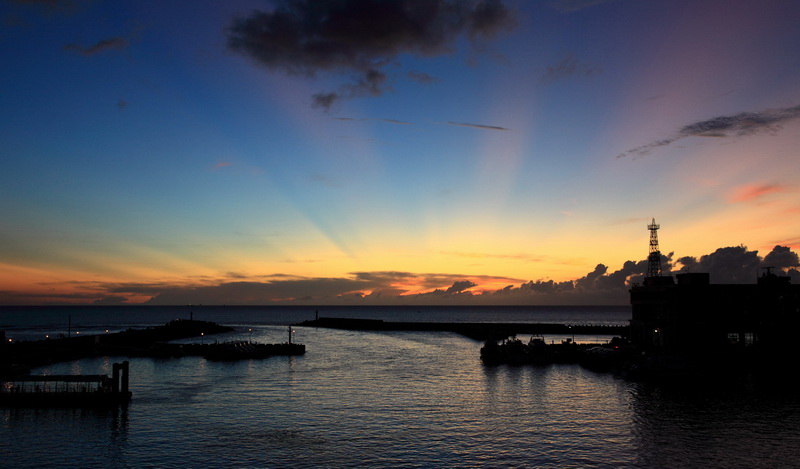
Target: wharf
{"points": [[473, 330]]}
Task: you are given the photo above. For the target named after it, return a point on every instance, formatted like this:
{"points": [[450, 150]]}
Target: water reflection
{"points": [[389, 400], [689, 422]]}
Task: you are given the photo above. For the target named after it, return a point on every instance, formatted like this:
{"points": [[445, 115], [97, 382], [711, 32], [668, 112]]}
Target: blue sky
{"points": [[147, 157]]}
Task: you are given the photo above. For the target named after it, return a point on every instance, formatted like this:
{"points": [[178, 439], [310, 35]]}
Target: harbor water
{"points": [[393, 399]]}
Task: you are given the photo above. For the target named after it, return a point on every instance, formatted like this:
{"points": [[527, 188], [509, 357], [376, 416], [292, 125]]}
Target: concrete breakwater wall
{"points": [[477, 331]]}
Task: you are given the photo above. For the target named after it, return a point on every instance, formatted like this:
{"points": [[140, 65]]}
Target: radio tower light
{"points": [[654, 258]]}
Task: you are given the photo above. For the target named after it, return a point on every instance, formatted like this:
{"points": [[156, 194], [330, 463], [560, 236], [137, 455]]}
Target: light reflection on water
{"points": [[401, 399]]}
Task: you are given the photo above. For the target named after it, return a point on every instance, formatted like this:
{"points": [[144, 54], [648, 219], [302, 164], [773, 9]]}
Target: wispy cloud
{"points": [[755, 192], [98, 47], [567, 67], [477, 126], [222, 164], [486, 255], [737, 125]]}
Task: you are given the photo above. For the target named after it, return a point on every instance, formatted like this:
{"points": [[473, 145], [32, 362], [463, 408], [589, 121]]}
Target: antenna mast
{"points": [[654, 259]]}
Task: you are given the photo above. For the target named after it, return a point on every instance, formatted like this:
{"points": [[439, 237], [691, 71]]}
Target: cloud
{"points": [[101, 46], [733, 264], [737, 125], [460, 286], [478, 126], [361, 37], [781, 257], [753, 192], [567, 67], [600, 286]]}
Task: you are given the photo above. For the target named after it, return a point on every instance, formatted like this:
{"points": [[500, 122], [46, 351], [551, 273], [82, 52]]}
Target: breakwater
{"points": [[473, 330], [19, 357]]}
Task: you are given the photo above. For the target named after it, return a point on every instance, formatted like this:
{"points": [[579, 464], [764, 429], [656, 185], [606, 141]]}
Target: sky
{"points": [[392, 151]]}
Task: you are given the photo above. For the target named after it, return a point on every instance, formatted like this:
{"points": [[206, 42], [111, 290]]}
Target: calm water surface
{"points": [[402, 399]]}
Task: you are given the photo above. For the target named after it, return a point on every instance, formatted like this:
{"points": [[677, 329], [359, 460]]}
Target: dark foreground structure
{"points": [[688, 323], [67, 390], [685, 325]]}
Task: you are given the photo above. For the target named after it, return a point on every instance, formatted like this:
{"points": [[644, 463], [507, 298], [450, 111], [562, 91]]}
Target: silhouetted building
{"points": [[692, 318]]}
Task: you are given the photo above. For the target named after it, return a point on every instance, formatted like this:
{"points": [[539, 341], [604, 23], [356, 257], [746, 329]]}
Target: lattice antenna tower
{"points": [[654, 258]]}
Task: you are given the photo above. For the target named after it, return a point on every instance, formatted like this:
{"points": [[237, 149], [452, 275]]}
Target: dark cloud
{"points": [[737, 125], [734, 264], [361, 37], [460, 286], [100, 46], [781, 257], [111, 301]]}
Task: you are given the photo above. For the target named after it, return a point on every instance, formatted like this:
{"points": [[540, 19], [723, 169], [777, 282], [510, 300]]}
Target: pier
{"points": [[66, 390]]}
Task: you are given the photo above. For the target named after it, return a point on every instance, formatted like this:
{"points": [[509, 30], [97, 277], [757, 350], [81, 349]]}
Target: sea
{"points": [[389, 400]]}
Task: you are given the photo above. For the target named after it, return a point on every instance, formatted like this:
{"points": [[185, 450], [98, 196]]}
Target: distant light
{"points": [[106, 331], [77, 332]]}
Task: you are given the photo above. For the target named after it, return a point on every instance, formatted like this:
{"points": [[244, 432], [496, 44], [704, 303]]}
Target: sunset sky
{"points": [[412, 151]]}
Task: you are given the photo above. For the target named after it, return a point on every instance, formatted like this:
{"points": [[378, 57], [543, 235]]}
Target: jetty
{"points": [[474, 330], [66, 390]]}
